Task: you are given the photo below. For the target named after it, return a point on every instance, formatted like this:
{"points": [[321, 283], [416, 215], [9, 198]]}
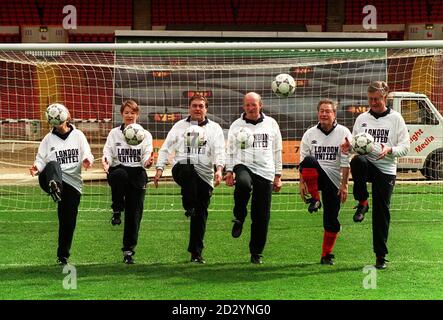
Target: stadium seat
{"points": [[19, 91], [392, 12], [93, 13], [94, 38], [246, 12], [10, 38]]}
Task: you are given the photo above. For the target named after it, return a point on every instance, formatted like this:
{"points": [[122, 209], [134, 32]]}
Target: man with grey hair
{"points": [[324, 167], [379, 166]]}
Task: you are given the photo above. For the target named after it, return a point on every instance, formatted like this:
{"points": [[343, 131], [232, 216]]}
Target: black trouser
{"points": [[382, 187], [330, 197], [67, 208], [128, 188], [245, 182], [196, 194]]}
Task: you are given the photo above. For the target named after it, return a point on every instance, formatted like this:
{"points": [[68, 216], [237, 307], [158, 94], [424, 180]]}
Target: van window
{"points": [[417, 112]]}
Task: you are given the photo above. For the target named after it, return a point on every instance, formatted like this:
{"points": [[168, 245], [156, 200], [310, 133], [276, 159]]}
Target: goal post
{"points": [[92, 80]]}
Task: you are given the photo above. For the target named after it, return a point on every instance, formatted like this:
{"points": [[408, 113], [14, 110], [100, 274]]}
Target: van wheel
{"points": [[426, 172], [433, 169], [437, 167]]}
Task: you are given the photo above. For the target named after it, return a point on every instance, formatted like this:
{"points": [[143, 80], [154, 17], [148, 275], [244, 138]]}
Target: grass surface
{"points": [[291, 270]]}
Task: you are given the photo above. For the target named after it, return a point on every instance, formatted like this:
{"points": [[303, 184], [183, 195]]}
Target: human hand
{"points": [[218, 177], [229, 179], [276, 185], [384, 151], [33, 170], [303, 190], [346, 146], [105, 165], [148, 163], [87, 164], [157, 177], [343, 192]]}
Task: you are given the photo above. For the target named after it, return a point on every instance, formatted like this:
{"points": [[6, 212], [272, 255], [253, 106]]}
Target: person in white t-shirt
{"points": [[61, 154], [255, 167], [391, 139], [199, 145], [125, 167], [324, 167]]}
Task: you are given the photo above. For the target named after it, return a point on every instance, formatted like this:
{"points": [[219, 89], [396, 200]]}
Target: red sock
{"points": [[363, 203], [310, 176], [328, 242]]}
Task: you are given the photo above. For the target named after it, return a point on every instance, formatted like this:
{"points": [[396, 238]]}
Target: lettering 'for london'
{"points": [[129, 155], [326, 152], [67, 156]]}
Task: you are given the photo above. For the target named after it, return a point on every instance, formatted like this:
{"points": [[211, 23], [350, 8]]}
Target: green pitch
{"points": [[291, 269]]}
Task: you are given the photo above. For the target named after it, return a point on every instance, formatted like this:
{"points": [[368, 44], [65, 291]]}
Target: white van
{"points": [[425, 126]]}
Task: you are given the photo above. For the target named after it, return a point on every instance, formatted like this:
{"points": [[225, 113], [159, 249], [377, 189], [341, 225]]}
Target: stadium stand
{"points": [[94, 18], [50, 12], [18, 12], [244, 12], [95, 38], [394, 17], [18, 92], [10, 38], [88, 92], [436, 10], [390, 12]]}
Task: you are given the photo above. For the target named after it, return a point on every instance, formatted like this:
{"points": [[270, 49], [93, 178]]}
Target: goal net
{"points": [[93, 81]]}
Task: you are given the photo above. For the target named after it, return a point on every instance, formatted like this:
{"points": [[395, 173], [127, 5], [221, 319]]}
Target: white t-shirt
{"points": [[325, 147], [390, 130], [204, 157], [264, 158], [69, 153], [118, 152]]}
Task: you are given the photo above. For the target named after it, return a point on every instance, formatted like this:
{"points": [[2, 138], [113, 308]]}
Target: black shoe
{"points": [[116, 219], [190, 213], [128, 258], [359, 214], [327, 259], [256, 259], [196, 258], [380, 263], [62, 261], [314, 205], [237, 228], [54, 191]]}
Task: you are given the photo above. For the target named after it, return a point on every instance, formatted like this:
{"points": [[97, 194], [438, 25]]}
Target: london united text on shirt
{"points": [[67, 156], [326, 152], [129, 155]]}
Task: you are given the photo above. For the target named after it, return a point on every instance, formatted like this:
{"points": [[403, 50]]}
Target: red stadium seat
{"points": [[392, 12], [97, 12], [254, 12]]}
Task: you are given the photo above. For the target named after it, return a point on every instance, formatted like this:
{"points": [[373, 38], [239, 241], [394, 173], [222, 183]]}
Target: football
{"points": [[283, 85], [195, 136], [134, 134], [363, 143], [244, 138], [56, 114]]}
